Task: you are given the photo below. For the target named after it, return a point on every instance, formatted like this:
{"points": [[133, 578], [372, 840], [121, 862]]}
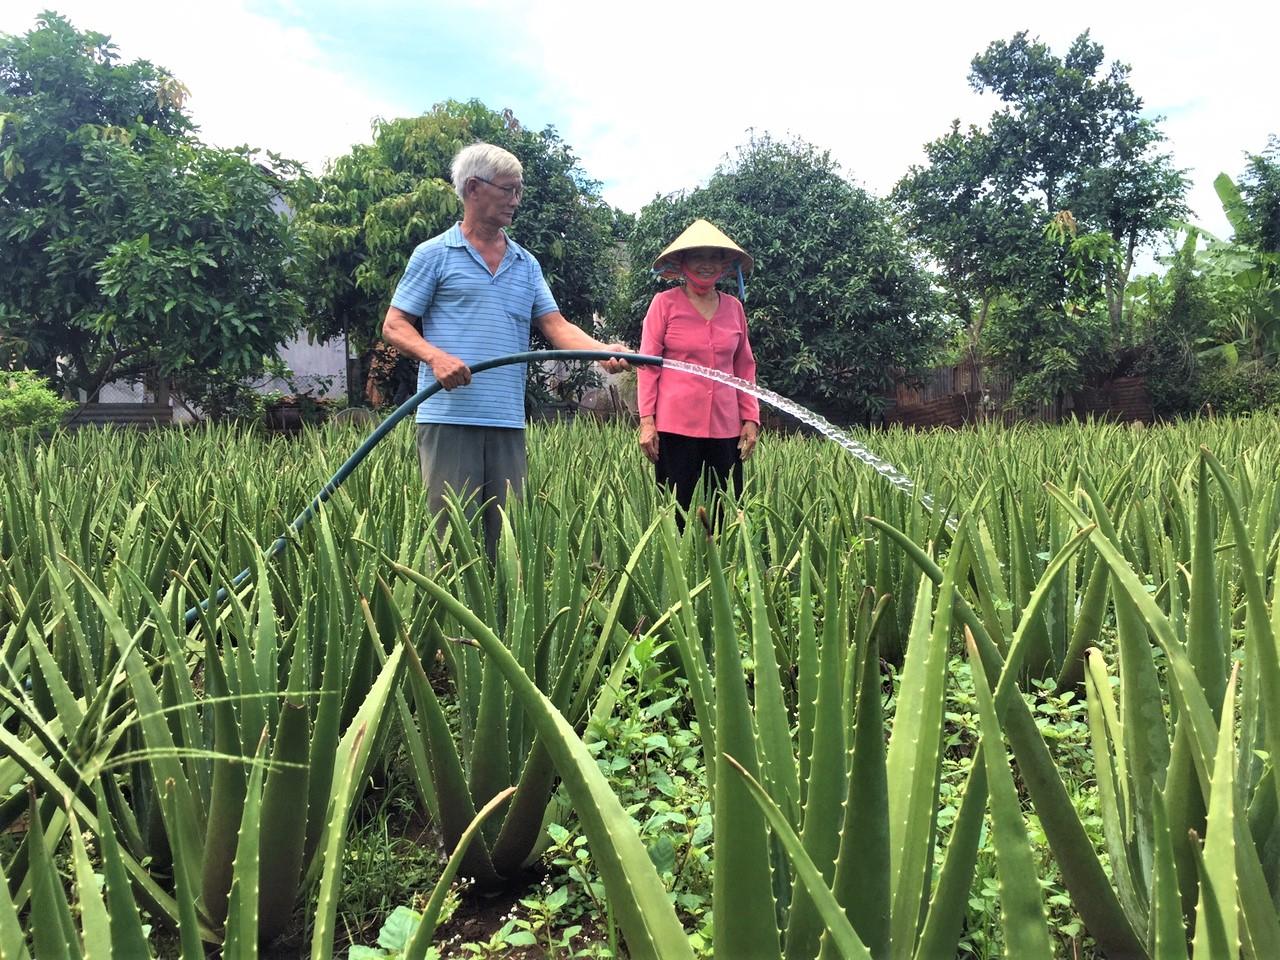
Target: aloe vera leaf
{"points": [[1093, 605], [689, 648], [13, 939], [1260, 634], [245, 897], [324, 738], [226, 800], [177, 673], [283, 827], [1206, 648], [53, 931], [159, 740], [1166, 933], [127, 936], [913, 762], [489, 758], [1218, 882], [1144, 743], [95, 922], [777, 754], [416, 948], [944, 922], [863, 882], [457, 809], [419, 765], [1211, 940], [1190, 695], [587, 683], [645, 914], [1026, 932], [1081, 869], [742, 894], [828, 782], [353, 752], [837, 927], [1116, 806], [806, 663]]}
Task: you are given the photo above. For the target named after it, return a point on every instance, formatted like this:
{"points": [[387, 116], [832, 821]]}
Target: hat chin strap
{"points": [[699, 285]]}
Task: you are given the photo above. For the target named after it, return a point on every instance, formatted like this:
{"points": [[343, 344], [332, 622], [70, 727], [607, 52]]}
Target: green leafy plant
{"points": [[129, 249], [837, 305], [26, 400]]}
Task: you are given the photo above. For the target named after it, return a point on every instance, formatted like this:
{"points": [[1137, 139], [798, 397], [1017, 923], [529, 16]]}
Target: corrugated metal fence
{"points": [[956, 395]]}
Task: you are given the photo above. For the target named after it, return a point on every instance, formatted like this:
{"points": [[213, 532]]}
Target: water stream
{"points": [[824, 426], [829, 430]]}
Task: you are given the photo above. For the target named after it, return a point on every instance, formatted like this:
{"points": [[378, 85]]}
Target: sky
{"points": [[652, 98]]}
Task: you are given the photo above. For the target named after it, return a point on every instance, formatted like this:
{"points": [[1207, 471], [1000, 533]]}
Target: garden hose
{"points": [[402, 411]]}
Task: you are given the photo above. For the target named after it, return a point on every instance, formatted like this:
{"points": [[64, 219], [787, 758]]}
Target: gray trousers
{"points": [[482, 463]]}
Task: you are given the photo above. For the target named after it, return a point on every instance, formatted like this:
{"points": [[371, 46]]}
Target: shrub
{"points": [[27, 401], [1242, 388]]}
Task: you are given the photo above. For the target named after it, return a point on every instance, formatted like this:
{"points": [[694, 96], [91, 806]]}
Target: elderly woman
{"points": [[691, 427]]}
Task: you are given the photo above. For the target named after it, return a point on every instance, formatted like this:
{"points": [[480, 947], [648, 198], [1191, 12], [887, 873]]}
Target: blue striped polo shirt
{"points": [[474, 315]]}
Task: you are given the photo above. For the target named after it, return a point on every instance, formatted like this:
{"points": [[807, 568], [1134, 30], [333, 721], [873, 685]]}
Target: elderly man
{"points": [[475, 291]]}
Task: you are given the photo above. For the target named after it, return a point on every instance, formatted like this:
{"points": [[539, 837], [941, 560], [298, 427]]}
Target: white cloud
{"points": [[252, 80], [652, 96]]}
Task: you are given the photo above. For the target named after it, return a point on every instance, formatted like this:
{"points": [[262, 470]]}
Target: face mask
{"points": [[698, 284]]}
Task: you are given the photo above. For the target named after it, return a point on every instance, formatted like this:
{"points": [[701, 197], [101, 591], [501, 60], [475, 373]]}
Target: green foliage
{"points": [[363, 217], [1235, 389], [127, 248], [1210, 328], [1070, 142], [1172, 315], [394, 937], [837, 306], [1107, 628], [1260, 192], [27, 401]]}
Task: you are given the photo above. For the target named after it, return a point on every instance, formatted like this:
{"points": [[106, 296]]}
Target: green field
{"points": [[761, 736]]}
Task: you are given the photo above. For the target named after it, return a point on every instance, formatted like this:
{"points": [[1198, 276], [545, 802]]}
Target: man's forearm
{"points": [[398, 329], [563, 335]]}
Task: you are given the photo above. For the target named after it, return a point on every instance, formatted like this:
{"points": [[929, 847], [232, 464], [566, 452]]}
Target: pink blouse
{"points": [[681, 402]]}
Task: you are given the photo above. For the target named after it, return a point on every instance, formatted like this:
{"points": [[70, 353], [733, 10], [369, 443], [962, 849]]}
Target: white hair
{"points": [[483, 161]]}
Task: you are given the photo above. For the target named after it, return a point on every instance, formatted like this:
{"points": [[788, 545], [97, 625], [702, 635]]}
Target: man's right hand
{"points": [[449, 370], [402, 331]]}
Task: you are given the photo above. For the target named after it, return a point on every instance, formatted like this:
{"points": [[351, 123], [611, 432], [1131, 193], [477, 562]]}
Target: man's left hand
{"points": [[616, 366]]}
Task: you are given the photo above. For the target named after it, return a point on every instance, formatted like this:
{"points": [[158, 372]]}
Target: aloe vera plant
{"points": [[189, 798], [858, 831], [1163, 788], [1140, 577], [565, 646]]}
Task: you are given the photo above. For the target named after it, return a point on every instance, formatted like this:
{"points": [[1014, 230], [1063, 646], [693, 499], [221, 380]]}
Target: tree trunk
{"points": [[975, 362], [1116, 279]]}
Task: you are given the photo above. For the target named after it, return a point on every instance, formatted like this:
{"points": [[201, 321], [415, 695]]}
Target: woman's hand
{"points": [[747, 439], [649, 438]]}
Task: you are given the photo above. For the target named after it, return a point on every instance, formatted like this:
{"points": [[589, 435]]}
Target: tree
{"points": [[364, 216], [1070, 137], [1260, 198], [985, 242], [127, 248], [837, 307], [1212, 323]]}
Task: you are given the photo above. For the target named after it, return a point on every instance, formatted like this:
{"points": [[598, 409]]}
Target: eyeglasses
{"points": [[512, 193]]}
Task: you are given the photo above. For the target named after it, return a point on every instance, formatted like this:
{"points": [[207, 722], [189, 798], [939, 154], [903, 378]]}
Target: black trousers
{"points": [[683, 461]]}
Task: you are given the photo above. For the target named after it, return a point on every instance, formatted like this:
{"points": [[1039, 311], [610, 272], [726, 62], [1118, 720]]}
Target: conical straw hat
{"points": [[700, 233]]}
